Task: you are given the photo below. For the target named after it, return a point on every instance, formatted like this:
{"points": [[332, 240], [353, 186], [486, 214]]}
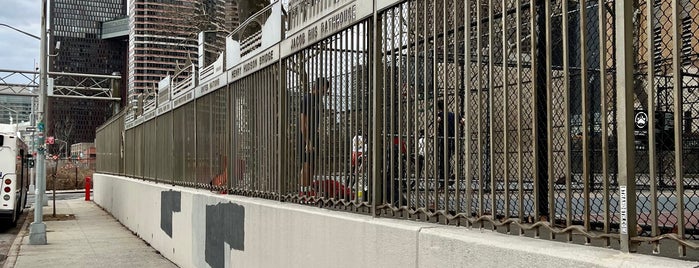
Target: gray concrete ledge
{"points": [[290, 235]]}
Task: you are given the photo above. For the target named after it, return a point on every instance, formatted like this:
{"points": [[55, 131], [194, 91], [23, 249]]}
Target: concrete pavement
{"points": [[93, 239]]}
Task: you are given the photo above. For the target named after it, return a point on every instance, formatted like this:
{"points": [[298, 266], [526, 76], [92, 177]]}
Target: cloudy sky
{"points": [[18, 51]]}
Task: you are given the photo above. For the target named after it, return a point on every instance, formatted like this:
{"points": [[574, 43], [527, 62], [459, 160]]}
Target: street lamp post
{"points": [[26, 33], [37, 230]]}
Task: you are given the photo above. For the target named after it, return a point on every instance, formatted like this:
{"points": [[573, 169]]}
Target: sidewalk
{"points": [[93, 239]]}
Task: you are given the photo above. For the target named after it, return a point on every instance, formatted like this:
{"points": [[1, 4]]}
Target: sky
{"points": [[18, 51]]}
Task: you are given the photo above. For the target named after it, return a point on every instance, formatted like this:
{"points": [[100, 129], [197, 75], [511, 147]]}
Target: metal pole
{"points": [[678, 110], [32, 181], [37, 230], [377, 115], [627, 182]]}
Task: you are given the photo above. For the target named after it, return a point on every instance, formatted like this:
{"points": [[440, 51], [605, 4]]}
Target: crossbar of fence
{"points": [[569, 120]]}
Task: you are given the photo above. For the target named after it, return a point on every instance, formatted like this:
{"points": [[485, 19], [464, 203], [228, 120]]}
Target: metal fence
{"points": [[526, 117], [69, 173]]}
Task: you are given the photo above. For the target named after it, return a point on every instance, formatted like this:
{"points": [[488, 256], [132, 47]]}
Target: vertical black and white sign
{"points": [[624, 224]]}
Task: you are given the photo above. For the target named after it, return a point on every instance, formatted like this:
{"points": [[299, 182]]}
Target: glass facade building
{"points": [[17, 108], [77, 25]]}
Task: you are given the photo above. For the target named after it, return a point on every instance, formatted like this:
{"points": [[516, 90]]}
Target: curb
{"points": [[13, 253], [64, 192]]}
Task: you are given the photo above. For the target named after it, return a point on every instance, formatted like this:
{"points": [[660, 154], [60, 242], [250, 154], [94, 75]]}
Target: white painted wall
{"points": [[289, 235]]}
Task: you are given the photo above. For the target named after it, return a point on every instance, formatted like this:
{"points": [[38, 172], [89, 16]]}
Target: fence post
{"points": [[678, 112], [625, 106], [282, 160], [377, 147]]}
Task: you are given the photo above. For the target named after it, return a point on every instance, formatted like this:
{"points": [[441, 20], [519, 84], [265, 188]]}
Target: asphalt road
{"points": [[8, 233]]}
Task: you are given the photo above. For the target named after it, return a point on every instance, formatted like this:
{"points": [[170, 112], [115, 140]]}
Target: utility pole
{"points": [[37, 230], [32, 122]]}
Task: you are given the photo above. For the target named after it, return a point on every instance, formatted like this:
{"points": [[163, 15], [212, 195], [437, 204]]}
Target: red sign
{"points": [[50, 140], [55, 157]]}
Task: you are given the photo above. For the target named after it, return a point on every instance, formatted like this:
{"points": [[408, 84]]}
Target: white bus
{"points": [[14, 174]]}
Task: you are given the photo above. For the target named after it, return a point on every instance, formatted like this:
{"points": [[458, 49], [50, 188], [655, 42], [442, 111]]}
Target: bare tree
{"points": [[63, 130]]}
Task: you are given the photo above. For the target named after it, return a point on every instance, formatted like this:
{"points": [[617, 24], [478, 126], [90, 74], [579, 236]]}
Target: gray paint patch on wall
{"points": [[170, 201], [225, 223]]}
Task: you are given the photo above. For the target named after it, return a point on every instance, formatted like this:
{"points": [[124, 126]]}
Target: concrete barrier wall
{"points": [[198, 228]]}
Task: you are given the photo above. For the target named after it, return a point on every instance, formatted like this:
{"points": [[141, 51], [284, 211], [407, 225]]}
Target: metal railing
{"points": [[525, 117]]}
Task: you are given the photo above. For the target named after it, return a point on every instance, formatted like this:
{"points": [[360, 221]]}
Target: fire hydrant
{"points": [[88, 181]]}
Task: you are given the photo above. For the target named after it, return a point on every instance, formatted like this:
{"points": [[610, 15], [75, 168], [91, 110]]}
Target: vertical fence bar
{"points": [[323, 150], [377, 112], [678, 111], [348, 112], [459, 111], [229, 139], [421, 178], [627, 182], [445, 112], [435, 84], [566, 107], [468, 173], [392, 101], [534, 106], [367, 102], [505, 104], [479, 85], [386, 86], [603, 112], [520, 179], [425, 43], [650, 17], [356, 116], [330, 74], [445, 107], [236, 141], [276, 115], [549, 118], [410, 108], [491, 88], [402, 168], [585, 119], [270, 129]]}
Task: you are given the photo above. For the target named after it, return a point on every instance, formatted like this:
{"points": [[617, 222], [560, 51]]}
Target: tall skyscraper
{"points": [[77, 25], [160, 41], [163, 36], [232, 15]]}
